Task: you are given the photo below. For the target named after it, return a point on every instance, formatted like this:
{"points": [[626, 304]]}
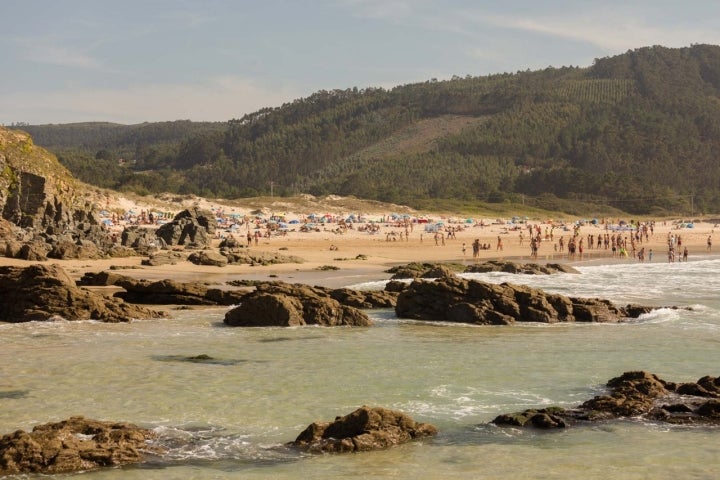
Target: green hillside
{"points": [[638, 131]]}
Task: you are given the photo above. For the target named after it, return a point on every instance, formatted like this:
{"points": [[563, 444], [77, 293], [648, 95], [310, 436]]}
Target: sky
{"points": [[134, 61]]}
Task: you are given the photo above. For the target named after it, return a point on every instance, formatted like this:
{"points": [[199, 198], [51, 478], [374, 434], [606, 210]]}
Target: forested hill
{"points": [[639, 131]]}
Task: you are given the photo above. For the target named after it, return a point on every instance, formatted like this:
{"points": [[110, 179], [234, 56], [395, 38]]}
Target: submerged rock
{"points": [[73, 445], [364, 429]]}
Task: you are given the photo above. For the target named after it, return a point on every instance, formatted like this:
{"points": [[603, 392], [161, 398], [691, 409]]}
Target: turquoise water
{"points": [[229, 418]]}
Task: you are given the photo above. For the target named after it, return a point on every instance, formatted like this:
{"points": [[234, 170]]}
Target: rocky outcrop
{"points": [[45, 292], [252, 257], [165, 257], [364, 429], [170, 292], [143, 240], [444, 270], [482, 303], [424, 270], [365, 299], [73, 445], [35, 190], [633, 394], [192, 228], [39, 196], [515, 267], [208, 257], [286, 305]]}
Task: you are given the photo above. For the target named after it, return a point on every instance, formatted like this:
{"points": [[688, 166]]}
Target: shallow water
{"points": [[228, 417]]}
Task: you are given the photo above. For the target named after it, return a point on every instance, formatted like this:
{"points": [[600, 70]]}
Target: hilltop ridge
{"points": [[639, 132]]}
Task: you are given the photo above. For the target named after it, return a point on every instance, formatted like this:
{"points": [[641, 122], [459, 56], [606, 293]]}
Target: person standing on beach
{"points": [[709, 243], [499, 244], [685, 255]]}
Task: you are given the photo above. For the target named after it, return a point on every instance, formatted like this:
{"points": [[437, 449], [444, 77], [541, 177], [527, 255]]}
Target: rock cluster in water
{"points": [[633, 394], [43, 292], [73, 445], [367, 428], [444, 270], [524, 268], [454, 299]]}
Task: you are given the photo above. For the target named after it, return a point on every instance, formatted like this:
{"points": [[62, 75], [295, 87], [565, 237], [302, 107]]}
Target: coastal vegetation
{"points": [[639, 132]]}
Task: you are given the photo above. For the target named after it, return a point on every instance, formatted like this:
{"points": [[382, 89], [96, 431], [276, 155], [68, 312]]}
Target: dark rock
{"points": [[41, 292], [283, 304], [362, 430], [514, 267], [34, 252], [208, 258], [119, 251], [192, 228], [164, 258], [170, 292], [395, 286], [472, 301], [252, 257], [100, 279], [143, 240], [633, 394], [424, 270], [82, 249], [230, 242], [438, 271], [365, 299], [73, 445], [259, 309]]}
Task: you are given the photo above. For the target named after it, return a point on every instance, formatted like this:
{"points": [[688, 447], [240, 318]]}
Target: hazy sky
{"points": [[130, 61]]}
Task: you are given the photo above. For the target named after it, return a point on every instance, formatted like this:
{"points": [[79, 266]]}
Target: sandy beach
{"points": [[345, 256]]}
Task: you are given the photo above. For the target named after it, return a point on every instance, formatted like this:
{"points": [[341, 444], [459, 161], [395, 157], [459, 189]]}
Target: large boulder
{"points": [[282, 304], [472, 301], [80, 249], [364, 429], [44, 292], [143, 240], [192, 228], [74, 445], [633, 394]]}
